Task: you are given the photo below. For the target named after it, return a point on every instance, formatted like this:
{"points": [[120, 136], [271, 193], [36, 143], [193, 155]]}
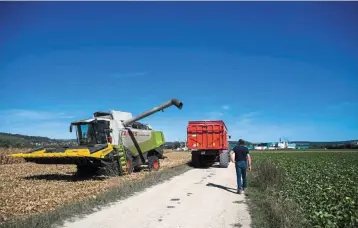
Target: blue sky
{"points": [[267, 69]]}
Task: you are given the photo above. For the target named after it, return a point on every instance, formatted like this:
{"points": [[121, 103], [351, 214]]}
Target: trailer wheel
{"points": [[153, 163], [195, 160], [224, 159]]}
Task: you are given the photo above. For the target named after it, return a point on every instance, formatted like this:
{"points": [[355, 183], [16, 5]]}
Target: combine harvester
{"points": [[111, 143]]}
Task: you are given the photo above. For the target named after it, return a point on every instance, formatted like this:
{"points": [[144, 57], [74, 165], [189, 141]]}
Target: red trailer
{"points": [[208, 140]]}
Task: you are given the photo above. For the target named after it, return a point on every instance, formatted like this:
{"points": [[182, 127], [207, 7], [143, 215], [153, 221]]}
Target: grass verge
{"points": [[266, 208], [81, 208]]}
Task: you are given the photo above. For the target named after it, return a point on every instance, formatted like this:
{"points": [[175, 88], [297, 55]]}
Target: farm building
{"points": [[291, 146], [250, 147], [233, 144], [272, 146], [261, 146]]}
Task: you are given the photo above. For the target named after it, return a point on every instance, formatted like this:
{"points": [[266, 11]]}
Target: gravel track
{"points": [[199, 198]]}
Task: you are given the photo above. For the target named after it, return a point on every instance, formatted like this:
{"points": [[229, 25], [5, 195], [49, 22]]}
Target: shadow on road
{"points": [[216, 165], [232, 190], [203, 166]]}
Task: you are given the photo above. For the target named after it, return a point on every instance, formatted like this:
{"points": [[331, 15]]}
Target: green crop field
{"points": [[323, 185]]}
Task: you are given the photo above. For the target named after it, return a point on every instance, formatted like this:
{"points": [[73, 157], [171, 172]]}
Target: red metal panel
{"points": [[207, 135]]}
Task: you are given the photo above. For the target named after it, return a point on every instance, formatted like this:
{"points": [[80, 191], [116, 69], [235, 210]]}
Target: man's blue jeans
{"points": [[241, 172]]}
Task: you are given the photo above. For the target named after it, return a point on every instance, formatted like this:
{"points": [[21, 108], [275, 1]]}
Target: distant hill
{"points": [[25, 141]]}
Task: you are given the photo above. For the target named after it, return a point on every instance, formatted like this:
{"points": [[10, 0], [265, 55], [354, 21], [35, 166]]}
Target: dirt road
{"points": [[199, 198]]}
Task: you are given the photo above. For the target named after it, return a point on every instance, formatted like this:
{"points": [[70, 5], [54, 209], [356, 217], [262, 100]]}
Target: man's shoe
{"points": [[238, 191]]}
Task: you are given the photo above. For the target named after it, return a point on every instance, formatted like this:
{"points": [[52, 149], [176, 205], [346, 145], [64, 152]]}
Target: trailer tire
{"points": [[195, 160], [153, 163], [224, 159]]}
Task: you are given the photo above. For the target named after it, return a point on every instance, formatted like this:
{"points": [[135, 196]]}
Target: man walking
{"points": [[242, 161]]}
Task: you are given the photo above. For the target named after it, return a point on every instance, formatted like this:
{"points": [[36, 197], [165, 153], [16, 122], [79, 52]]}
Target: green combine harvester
{"points": [[110, 143]]}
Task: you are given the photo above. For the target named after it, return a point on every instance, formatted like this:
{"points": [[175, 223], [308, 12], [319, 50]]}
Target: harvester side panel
{"points": [[147, 140]]}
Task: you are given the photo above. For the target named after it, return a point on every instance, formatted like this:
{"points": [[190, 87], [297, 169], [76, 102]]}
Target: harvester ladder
{"points": [[122, 159]]}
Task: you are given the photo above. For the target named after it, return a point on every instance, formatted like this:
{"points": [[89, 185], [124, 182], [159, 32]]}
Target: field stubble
{"points": [[5, 159], [27, 188]]}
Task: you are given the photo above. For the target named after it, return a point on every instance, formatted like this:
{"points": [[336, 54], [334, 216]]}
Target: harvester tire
{"points": [[86, 170], [112, 168], [153, 163], [224, 159], [195, 160]]}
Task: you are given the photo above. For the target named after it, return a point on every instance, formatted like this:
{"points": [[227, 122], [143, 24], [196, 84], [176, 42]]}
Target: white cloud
{"points": [[225, 107], [23, 115], [214, 115], [344, 106], [173, 128], [56, 130], [36, 123], [129, 74], [251, 127], [254, 126]]}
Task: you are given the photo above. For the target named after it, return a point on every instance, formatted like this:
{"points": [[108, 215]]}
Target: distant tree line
{"points": [[343, 146], [8, 140], [173, 145], [24, 141], [332, 145]]}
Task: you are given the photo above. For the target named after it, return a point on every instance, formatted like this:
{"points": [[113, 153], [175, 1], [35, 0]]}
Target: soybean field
{"points": [[323, 185]]}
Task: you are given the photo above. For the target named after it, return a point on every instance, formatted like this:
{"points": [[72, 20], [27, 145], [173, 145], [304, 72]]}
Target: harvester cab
{"points": [[102, 128], [114, 142], [92, 132]]}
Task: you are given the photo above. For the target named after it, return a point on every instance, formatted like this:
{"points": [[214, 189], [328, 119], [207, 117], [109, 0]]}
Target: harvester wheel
{"points": [[86, 170], [153, 163], [112, 168]]}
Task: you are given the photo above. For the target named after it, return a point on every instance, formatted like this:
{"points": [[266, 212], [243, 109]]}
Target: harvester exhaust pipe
{"points": [[174, 101]]}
